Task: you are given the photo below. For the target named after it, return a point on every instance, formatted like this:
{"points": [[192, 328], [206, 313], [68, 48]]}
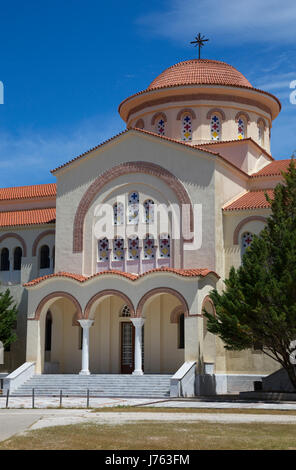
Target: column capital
{"points": [[138, 322], [86, 323]]}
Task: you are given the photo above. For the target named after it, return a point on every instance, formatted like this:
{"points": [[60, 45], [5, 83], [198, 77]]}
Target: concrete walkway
{"points": [[17, 421]]}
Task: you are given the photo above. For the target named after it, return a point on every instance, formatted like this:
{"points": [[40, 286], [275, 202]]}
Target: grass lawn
{"points": [[159, 409], [157, 436]]}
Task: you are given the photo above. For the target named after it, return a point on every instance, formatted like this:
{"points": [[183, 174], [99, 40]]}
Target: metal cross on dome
{"points": [[199, 41]]}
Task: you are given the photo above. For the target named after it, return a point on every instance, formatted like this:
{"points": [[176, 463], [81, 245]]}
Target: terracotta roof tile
{"points": [[133, 277], [250, 200], [200, 71], [27, 217], [28, 192], [273, 169]]}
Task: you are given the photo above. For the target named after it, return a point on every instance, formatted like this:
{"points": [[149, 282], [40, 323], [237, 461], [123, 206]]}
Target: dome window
{"points": [[186, 128], [215, 127]]}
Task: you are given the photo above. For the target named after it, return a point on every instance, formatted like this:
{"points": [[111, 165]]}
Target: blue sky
{"points": [[66, 65]]}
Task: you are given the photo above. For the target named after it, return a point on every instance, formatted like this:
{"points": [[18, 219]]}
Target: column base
{"points": [[84, 372], [138, 372]]}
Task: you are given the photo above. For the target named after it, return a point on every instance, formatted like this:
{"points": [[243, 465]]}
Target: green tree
{"points": [[258, 304], [8, 314]]}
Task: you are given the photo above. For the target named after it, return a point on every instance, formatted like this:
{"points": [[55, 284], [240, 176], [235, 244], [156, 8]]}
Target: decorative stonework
{"points": [[158, 116], [245, 221], [105, 293], [244, 115], [186, 111], [162, 290], [123, 169], [56, 295], [179, 310], [17, 237], [213, 111], [37, 240]]}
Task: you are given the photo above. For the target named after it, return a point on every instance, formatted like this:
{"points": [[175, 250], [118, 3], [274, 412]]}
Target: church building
{"points": [[183, 193]]}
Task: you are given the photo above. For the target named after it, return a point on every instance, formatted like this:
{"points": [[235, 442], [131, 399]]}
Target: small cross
{"points": [[199, 41]]}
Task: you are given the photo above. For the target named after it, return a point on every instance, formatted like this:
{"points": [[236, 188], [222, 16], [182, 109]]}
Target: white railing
{"points": [[18, 377], [183, 382]]}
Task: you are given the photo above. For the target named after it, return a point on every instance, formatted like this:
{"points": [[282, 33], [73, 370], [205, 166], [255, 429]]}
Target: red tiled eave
{"points": [[202, 272], [27, 217], [274, 168], [28, 192], [251, 200]]}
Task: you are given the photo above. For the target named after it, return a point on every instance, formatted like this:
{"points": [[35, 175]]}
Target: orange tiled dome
{"points": [[200, 71]]}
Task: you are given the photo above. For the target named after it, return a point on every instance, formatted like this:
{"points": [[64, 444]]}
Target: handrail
{"points": [[183, 381]]}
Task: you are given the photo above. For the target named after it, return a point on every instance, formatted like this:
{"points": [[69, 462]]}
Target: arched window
{"points": [[133, 208], [17, 258], [133, 247], [48, 330], [103, 246], [246, 241], [118, 213], [261, 134], [149, 247], [215, 127], [160, 126], [149, 211], [5, 264], [187, 127], [241, 128], [181, 331], [118, 249], [125, 311], [140, 124], [44, 257], [164, 246]]}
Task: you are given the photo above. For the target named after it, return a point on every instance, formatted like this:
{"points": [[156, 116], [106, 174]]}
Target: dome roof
{"points": [[200, 71]]}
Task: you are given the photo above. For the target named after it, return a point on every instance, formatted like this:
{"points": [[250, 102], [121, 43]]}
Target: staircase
{"points": [[102, 385]]}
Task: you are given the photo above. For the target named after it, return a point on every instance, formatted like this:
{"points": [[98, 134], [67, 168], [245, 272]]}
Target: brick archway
{"points": [[39, 238], [245, 221], [105, 293], [162, 290], [123, 169], [56, 295], [17, 237], [205, 300]]}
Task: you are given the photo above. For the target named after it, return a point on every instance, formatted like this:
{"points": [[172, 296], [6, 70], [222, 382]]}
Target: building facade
{"points": [[183, 191]]}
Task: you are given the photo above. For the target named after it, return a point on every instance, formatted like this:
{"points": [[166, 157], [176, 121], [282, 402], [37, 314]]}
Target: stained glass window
{"points": [[118, 249], [164, 246], [186, 127], [149, 211], [133, 247], [133, 208], [125, 311], [241, 133], [160, 127], [103, 246], [215, 127], [118, 213], [247, 239], [148, 247]]}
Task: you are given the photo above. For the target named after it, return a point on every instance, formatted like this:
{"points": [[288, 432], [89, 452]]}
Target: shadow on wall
{"points": [[205, 384]]}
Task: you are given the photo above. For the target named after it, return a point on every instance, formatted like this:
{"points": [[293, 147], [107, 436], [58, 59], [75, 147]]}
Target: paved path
{"points": [[17, 421]]}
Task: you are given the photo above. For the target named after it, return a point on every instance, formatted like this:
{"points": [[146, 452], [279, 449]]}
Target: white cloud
{"points": [[251, 21], [29, 156]]}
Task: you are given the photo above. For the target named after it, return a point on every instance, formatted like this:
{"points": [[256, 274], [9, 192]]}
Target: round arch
{"points": [[243, 114], [184, 111], [216, 110], [160, 115], [244, 222], [56, 295], [123, 169], [17, 237], [162, 290], [39, 238], [105, 293]]}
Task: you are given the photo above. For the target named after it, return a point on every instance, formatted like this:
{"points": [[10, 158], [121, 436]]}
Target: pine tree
{"points": [[8, 314], [258, 304]]}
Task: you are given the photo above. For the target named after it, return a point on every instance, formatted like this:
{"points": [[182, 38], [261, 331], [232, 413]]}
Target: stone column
{"points": [[138, 323], [85, 324]]}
